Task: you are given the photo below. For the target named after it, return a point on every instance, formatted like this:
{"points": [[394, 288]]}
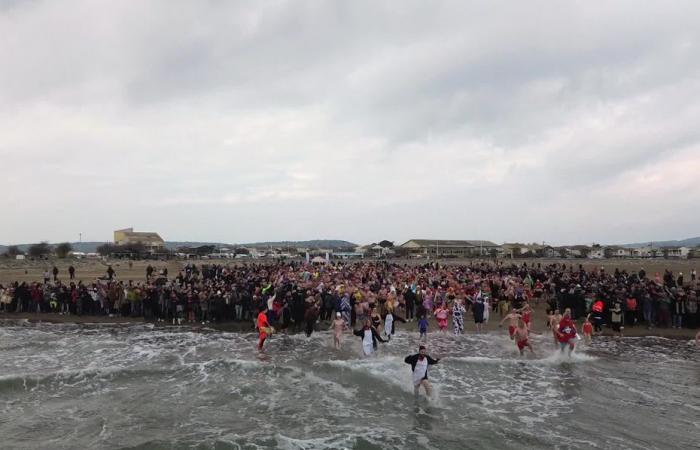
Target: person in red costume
{"points": [[566, 333], [263, 326]]}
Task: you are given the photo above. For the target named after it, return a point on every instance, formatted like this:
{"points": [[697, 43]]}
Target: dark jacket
{"points": [[375, 336], [413, 360]]}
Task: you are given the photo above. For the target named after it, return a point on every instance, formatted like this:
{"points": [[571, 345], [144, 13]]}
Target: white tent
{"points": [[319, 259]]}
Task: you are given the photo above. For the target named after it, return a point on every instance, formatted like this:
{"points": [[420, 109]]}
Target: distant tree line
{"points": [[40, 250]]}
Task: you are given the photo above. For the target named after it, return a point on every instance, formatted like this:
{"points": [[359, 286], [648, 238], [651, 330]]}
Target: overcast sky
{"points": [[564, 122]]}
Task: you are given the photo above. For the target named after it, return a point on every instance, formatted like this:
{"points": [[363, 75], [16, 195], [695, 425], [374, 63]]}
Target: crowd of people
{"points": [[299, 295], [368, 298]]}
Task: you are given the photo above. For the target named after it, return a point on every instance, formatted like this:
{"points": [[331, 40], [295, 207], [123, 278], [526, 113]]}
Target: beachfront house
{"points": [[617, 252], [550, 252], [442, 248], [148, 239], [676, 252], [517, 250], [641, 252], [597, 252]]}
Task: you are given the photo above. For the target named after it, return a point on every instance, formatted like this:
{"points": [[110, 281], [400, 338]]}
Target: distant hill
{"points": [[318, 243], [172, 245], [690, 242]]}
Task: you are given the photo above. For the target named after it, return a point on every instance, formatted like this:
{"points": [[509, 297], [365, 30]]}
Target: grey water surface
{"points": [[140, 387]]}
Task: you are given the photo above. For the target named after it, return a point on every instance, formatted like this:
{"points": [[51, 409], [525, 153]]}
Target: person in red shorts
{"points": [[263, 326], [521, 336], [512, 319], [566, 332]]}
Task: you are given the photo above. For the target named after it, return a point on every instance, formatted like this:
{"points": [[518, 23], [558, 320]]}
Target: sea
{"points": [[110, 386]]}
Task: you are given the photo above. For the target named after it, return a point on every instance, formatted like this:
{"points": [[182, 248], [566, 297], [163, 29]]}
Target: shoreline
{"points": [[247, 327]]}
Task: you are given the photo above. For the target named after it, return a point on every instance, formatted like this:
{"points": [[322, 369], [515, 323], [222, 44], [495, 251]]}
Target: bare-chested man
{"points": [[338, 326], [361, 310], [512, 317], [554, 325], [521, 336]]}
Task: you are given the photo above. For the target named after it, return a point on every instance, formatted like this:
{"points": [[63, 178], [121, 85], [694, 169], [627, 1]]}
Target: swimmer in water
{"points": [[419, 366], [338, 326], [521, 336]]}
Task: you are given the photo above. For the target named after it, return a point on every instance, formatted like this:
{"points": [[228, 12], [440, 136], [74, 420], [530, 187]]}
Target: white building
{"points": [[597, 253]]}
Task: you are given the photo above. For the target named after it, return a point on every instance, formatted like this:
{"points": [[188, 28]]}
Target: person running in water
{"points": [[478, 308], [389, 325], [423, 328], [521, 336], [263, 326], [554, 325], [458, 311], [526, 312], [587, 330], [441, 314], [566, 332], [419, 366], [369, 336], [512, 317], [338, 326]]}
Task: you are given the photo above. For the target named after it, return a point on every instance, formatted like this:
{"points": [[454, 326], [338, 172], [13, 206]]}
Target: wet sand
{"points": [[538, 324]]}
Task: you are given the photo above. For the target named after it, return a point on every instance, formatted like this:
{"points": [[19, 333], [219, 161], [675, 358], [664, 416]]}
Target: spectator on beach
{"points": [[295, 291]]}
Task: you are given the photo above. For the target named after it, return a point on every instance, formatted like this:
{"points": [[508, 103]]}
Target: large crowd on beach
{"points": [[369, 298], [300, 295]]}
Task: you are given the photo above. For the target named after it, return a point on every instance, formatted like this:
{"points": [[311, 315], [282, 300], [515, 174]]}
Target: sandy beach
{"points": [[87, 270]]}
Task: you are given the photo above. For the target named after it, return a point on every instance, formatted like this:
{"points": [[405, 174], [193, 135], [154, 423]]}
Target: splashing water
{"points": [[69, 386]]}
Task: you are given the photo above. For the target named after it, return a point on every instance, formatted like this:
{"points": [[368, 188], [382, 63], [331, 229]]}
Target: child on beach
{"points": [[587, 330], [423, 328]]}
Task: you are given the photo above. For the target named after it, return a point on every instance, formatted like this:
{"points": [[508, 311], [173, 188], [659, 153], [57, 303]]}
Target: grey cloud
{"points": [[399, 119]]}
